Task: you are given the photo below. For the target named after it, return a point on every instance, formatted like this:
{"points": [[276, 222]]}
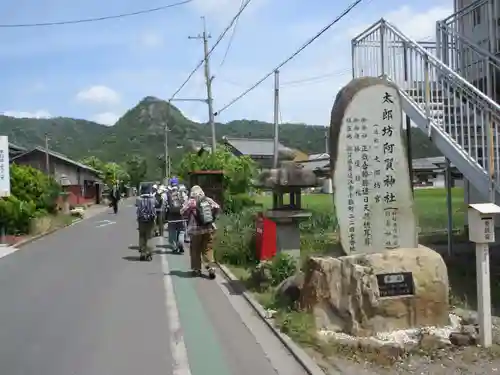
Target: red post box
{"points": [[265, 237]]}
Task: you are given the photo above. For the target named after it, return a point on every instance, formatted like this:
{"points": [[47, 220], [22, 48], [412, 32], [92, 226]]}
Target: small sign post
{"points": [[482, 233], [4, 176]]}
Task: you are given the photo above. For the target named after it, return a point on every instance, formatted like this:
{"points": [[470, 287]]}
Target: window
{"points": [[476, 17]]}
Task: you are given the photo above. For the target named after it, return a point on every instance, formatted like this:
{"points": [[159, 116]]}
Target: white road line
{"points": [[177, 345], [104, 223]]}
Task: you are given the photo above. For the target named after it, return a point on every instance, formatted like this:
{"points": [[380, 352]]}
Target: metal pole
{"points": [[326, 141], [489, 88], [167, 156], [409, 150], [208, 78], [276, 117], [449, 208], [47, 165]]}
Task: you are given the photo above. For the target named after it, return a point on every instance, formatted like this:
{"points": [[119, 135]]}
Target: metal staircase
{"points": [[461, 120]]}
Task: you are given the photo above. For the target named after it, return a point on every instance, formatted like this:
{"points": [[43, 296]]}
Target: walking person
{"points": [[114, 197], [201, 212], [146, 218], [175, 221]]}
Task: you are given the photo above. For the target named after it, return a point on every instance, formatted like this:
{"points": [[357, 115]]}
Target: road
{"points": [[78, 302]]}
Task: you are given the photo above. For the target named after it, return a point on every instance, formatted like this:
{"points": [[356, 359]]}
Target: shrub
{"points": [[282, 266], [237, 203], [235, 240], [30, 185], [15, 215]]}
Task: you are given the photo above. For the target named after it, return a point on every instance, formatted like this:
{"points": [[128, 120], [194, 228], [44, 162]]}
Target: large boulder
{"points": [[347, 289]]}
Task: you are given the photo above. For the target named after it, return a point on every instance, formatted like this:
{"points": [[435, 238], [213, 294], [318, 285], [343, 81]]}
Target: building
{"points": [[81, 181], [426, 171], [260, 150], [431, 172], [15, 150]]}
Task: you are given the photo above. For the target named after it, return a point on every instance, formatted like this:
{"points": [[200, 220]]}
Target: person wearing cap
{"points": [[201, 212], [175, 221]]}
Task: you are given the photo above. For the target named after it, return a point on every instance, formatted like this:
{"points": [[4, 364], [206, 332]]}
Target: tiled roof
{"points": [[418, 164], [318, 156], [58, 156], [15, 147], [255, 146]]}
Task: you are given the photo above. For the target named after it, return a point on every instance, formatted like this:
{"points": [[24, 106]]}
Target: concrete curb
{"points": [[29, 240], [297, 352]]}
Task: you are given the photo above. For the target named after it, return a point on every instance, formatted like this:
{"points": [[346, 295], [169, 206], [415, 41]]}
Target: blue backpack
{"points": [[146, 210]]}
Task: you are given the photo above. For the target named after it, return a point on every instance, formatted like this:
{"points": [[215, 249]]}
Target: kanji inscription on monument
{"points": [[373, 196]]}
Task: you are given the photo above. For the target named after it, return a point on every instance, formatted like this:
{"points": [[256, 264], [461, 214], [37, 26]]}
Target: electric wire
{"points": [[316, 78], [96, 19], [304, 46], [231, 38], [219, 39]]}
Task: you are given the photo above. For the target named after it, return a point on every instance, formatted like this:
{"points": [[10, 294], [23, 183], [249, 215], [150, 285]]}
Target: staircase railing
{"points": [[458, 46], [470, 119]]}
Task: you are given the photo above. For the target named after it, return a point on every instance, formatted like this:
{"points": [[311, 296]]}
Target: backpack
{"points": [[146, 210], [204, 212], [158, 200], [175, 202]]}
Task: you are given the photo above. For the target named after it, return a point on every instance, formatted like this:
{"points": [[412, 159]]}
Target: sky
{"points": [[97, 71]]}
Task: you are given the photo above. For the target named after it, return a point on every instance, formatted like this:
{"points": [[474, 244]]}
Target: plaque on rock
{"points": [[373, 196], [398, 284]]}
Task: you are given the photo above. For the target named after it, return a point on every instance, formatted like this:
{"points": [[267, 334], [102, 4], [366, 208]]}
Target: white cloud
{"points": [[42, 113], [150, 40], [106, 118], [99, 94]]}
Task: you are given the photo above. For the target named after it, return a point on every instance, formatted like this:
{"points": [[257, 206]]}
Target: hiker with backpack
{"points": [[175, 221], [160, 209], [146, 218], [201, 212]]}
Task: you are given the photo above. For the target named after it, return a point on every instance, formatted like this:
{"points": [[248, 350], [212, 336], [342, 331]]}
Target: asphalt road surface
{"points": [[78, 302]]}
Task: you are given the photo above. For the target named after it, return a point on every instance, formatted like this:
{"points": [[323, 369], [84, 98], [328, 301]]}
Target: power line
{"points": [[96, 19], [342, 15], [219, 39], [316, 78], [231, 38]]}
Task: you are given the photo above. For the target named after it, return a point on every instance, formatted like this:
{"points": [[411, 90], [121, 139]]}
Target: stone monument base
{"points": [[365, 294], [288, 230]]}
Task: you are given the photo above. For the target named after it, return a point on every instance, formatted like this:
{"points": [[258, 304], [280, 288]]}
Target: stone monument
{"points": [[386, 281], [373, 196]]}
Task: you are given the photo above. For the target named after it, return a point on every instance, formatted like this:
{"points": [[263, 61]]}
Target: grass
{"points": [[317, 238], [430, 207]]}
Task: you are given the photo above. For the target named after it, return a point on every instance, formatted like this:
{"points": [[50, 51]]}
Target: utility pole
{"points": [[276, 116], [208, 80], [326, 141], [47, 164], [167, 155]]}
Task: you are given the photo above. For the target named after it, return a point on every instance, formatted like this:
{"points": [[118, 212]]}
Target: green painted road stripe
{"points": [[204, 350]]}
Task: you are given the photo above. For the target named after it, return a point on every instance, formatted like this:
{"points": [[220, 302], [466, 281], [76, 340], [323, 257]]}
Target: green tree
{"points": [[137, 168], [238, 173], [31, 185], [114, 172]]}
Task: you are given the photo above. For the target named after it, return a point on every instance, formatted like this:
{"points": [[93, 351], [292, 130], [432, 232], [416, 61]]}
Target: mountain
{"points": [[141, 131]]}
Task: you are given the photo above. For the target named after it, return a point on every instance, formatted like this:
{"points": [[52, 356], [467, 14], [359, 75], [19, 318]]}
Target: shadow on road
{"points": [[133, 247], [132, 258], [234, 287], [186, 274]]}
